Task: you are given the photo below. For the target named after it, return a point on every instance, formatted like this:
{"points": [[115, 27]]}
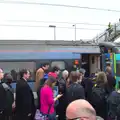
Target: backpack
{"points": [[74, 92], [98, 97], [115, 101]]}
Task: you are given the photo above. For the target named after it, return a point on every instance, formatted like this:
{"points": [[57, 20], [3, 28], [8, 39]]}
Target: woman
{"points": [[47, 100], [98, 96]]}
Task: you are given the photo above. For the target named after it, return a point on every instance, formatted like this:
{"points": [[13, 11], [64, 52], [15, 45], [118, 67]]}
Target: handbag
{"points": [[40, 116]]}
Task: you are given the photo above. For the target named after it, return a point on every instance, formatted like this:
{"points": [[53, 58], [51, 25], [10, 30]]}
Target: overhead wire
{"points": [[59, 5], [46, 26], [37, 21]]}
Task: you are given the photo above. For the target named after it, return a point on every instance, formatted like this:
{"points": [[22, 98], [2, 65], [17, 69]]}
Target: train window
{"points": [[117, 68], [60, 64], [15, 67]]}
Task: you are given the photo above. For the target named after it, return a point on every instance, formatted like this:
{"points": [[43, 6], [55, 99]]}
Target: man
{"points": [[81, 110], [111, 80], [40, 74], [87, 84], [25, 108], [2, 97], [61, 107], [109, 28]]}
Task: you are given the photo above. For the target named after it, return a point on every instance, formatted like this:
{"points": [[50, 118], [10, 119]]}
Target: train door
{"points": [[94, 62], [85, 64]]}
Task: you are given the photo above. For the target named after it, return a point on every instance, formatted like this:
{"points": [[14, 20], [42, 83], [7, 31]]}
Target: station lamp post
{"points": [[54, 27], [75, 30]]}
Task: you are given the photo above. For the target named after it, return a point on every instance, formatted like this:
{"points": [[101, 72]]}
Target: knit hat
{"points": [[52, 74]]}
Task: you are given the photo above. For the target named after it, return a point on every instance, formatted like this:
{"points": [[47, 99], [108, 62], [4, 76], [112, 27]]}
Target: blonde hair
{"points": [[101, 79]]}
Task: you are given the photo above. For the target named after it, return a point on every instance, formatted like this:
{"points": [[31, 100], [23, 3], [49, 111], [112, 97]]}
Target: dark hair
{"points": [[14, 74], [22, 72], [50, 81], [45, 64], [74, 76], [8, 78], [55, 68]]}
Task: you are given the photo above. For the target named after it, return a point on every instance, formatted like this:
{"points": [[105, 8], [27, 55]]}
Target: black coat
{"points": [[2, 98], [24, 98], [61, 107], [110, 86], [87, 85]]}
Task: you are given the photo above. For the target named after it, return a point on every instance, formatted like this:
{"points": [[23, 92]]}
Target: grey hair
{"points": [[99, 118], [90, 111], [82, 71], [65, 72]]}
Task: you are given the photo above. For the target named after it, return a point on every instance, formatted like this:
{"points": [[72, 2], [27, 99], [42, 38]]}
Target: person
{"points": [[80, 110], [40, 75], [14, 75], [9, 96], [109, 28], [99, 95], [2, 97], [54, 72], [113, 103], [87, 84], [61, 107], [111, 82], [25, 107], [47, 100], [75, 90]]}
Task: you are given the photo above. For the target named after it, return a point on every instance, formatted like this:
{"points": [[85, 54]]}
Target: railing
{"points": [[109, 34]]}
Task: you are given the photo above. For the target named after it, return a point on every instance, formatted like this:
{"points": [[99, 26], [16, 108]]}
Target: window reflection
{"points": [[60, 64], [15, 67]]}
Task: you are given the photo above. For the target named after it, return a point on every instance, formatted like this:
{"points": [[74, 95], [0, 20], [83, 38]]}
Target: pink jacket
{"points": [[46, 100]]}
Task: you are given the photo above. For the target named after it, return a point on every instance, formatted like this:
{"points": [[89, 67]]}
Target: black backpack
{"points": [[98, 97], [115, 101], [74, 92]]}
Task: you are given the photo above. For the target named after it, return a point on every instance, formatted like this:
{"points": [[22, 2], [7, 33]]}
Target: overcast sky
{"points": [[15, 14]]}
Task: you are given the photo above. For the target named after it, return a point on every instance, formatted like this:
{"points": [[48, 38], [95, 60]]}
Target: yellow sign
{"points": [[111, 56]]}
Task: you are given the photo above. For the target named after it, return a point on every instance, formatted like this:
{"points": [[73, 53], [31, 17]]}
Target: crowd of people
{"points": [[60, 95], [73, 86]]}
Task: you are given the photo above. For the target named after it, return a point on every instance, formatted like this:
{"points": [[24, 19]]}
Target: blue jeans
{"points": [[52, 116]]}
